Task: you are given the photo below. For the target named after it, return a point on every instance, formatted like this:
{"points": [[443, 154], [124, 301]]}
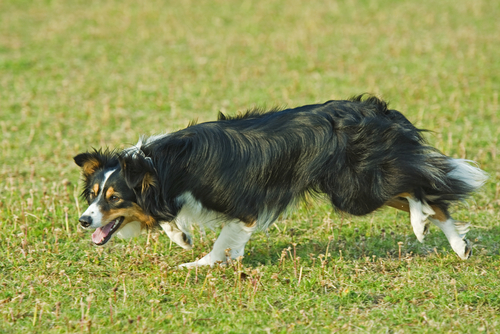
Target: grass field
{"points": [[81, 74]]}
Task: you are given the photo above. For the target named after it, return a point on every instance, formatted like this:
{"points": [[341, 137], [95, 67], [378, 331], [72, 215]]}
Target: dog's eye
{"points": [[114, 198]]}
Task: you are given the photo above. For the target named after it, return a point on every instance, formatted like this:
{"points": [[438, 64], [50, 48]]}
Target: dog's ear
{"points": [[138, 172], [91, 161]]}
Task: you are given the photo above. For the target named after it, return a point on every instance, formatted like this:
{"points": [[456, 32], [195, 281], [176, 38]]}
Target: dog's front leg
{"points": [[176, 235], [234, 236]]}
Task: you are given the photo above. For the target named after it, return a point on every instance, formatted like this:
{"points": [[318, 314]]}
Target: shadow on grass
{"points": [[356, 247]]}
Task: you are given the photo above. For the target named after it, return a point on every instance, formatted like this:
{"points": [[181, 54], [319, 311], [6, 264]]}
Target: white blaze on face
{"points": [[93, 211]]}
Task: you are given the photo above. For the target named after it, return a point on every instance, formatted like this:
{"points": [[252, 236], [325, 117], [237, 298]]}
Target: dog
{"points": [[246, 170]]}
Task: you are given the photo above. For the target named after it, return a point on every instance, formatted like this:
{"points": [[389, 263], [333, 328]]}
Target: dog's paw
{"points": [[204, 261], [187, 242], [188, 265], [463, 248], [182, 239], [468, 249], [427, 228], [420, 232]]}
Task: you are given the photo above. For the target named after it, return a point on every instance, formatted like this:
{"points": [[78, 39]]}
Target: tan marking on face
{"points": [[95, 189], [110, 192], [90, 166], [133, 213]]}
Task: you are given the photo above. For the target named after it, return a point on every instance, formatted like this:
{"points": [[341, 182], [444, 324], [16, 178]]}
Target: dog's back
{"points": [[358, 152]]}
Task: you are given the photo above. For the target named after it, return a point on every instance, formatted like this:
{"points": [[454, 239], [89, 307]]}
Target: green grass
{"points": [[82, 74]]}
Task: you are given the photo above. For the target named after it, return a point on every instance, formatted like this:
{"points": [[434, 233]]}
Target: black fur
{"points": [[105, 159], [357, 152]]}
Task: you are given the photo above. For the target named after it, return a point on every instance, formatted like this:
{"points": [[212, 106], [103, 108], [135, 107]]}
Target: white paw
{"points": [[421, 231], [463, 248], [419, 234], [189, 265], [207, 260], [199, 263], [184, 240], [468, 250]]}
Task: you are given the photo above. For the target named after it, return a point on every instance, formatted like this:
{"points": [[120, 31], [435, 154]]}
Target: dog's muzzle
{"points": [[85, 221]]}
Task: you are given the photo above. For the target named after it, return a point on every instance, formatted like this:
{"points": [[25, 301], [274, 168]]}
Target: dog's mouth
{"points": [[103, 234]]}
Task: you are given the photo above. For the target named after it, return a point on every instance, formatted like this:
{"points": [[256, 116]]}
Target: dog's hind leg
{"points": [[454, 230], [234, 236], [455, 233], [419, 212]]}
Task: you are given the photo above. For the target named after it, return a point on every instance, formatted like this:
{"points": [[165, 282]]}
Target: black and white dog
{"points": [[244, 171]]}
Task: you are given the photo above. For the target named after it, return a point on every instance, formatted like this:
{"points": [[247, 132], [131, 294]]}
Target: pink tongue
{"points": [[101, 233]]}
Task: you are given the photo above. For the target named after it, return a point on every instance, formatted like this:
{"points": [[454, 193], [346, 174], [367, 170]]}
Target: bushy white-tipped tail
{"points": [[468, 172]]}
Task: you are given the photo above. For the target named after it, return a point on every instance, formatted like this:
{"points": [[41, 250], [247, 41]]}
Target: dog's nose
{"points": [[85, 221]]}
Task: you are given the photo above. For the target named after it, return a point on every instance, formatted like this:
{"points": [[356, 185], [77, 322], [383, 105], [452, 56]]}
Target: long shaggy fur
{"points": [[357, 152]]}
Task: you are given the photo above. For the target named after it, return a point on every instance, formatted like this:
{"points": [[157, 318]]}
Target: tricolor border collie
{"points": [[244, 171]]}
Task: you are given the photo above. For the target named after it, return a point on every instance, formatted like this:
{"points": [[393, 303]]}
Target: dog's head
{"points": [[112, 185]]}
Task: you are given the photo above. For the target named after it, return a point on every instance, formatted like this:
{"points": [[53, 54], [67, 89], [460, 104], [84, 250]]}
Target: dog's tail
{"points": [[467, 172], [451, 179]]}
